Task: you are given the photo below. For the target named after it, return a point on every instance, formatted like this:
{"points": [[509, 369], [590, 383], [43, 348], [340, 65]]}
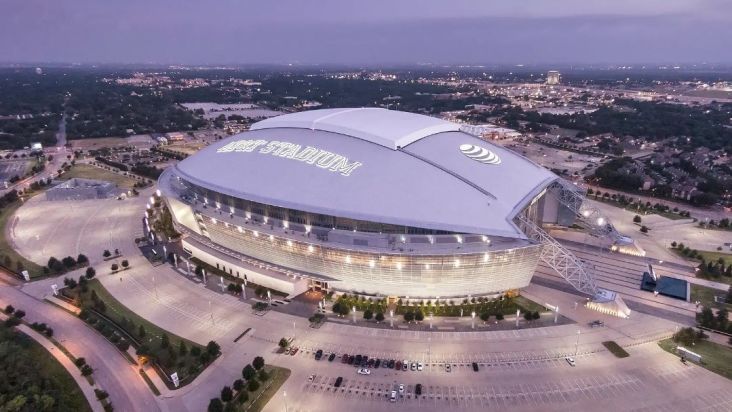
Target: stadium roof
{"points": [[387, 128], [375, 165]]}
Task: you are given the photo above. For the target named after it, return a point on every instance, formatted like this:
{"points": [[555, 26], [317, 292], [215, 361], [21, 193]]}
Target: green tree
{"points": [[368, 314], [215, 405], [284, 343], [90, 273], [141, 331], [263, 375], [182, 348], [164, 341], [258, 362], [419, 315], [226, 394], [379, 317], [408, 316], [248, 372], [636, 219], [213, 348], [706, 318]]}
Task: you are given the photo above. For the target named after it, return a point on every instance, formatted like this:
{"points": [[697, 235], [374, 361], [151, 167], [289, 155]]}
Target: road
{"points": [[112, 371]]}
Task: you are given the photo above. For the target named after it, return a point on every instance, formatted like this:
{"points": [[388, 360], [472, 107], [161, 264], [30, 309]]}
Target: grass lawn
{"points": [[86, 171], [709, 257], [713, 256], [715, 357], [705, 295], [28, 358], [130, 321], [6, 250], [641, 213], [259, 398], [615, 349]]}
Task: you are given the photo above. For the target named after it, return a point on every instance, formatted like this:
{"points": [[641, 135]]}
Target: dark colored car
{"points": [[331, 357], [344, 358], [475, 366], [338, 382], [319, 354], [418, 389], [398, 364], [377, 363], [358, 360], [351, 359], [392, 363]]}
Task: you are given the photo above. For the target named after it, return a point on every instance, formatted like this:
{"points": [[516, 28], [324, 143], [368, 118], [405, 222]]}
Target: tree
{"points": [[419, 315], [248, 372], [706, 318], [284, 343], [260, 291], [535, 315], [141, 331], [263, 375], [125, 264], [226, 394], [213, 348], [379, 317], [674, 244], [106, 253], [215, 405], [19, 314], [485, 316], [636, 219], [722, 320], [528, 315], [69, 262], [238, 385], [90, 273], [253, 385], [164, 341], [644, 229], [258, 363], [10, 309], [408, 316], [86, 370], [182, 348], [115, 267], [82, 259], [368, 314]]}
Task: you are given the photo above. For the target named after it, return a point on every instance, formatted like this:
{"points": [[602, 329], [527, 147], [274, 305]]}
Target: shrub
{"points": [[79, 362], [115, 267], [19, 314], [49, 332], [243, 397], [86, 370], [9, 309], [368, 314], [101, 394], [253, 385], [284, 343], [215, 405], [90, 273], [263, 375], [125, 264], [213, 348], [499, 316], [106, 253], [195, 351], [379, 317]]}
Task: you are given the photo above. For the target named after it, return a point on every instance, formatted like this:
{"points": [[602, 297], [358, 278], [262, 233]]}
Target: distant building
{"points": [[174, 136], [39, 70], [36, 148], [553, 77]]}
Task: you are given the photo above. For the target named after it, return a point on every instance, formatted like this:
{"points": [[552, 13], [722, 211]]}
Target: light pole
{"points": [[354, 314], [517, 317], [576, 344], [210, 308], [155, 287], [556, 314], [429, 350], [472, 315], [284, 395], [430, 320], [293, 329], [391, 317]]}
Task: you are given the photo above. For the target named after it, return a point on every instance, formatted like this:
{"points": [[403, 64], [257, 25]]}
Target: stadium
{"points": [[370, 201]]}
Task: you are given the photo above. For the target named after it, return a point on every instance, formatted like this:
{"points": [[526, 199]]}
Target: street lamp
{"points": [[210, 308], [473, 316], [576, 345], [354, 314], [391, 317], [430, 320], [284, 395]]}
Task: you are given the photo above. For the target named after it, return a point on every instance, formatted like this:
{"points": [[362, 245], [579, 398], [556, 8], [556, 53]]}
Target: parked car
{"points": [[475, 366], [401, 389], [418, 389], [420, 366], [338, 382], [392, 363], [596, 323], [398, 364], [294, 351], [448, 367], [405, 365], [358, 360], [319, 354], [331, 357], [392, 398], [413, 366], [364, 371], [344, 358], [377, 363], [351, 359], [570, 361]]}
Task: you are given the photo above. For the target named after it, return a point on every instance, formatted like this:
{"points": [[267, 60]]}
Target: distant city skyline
{"points": [[379, 32]]}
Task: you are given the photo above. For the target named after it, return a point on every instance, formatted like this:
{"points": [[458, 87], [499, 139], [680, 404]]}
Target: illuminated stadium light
{"points": [[285, 224], [308, 228], [372, 264], [456, 263], [348, 258], [311, 248], [289, 242]]}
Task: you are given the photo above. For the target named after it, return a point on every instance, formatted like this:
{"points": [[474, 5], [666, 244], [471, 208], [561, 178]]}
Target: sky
{"points": [[367, 32]]}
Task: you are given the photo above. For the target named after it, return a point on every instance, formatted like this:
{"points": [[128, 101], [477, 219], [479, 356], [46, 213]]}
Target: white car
{"points": [[401, 389], [420, 366], [448, 367], [393, 396], [364, 371], [570, 360]]}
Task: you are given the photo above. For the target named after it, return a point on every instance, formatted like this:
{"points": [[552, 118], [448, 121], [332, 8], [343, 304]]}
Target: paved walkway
{"points": [[127, 390]]}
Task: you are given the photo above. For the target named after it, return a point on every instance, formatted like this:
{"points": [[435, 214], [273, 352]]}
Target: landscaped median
{"points": [[251, 393], [166, 352]]}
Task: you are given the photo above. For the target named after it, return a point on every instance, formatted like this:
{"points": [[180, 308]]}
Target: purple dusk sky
{"points": [[366, 32]]}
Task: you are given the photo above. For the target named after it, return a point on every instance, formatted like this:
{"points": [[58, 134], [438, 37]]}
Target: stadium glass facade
{"points": [[354, 255]]}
